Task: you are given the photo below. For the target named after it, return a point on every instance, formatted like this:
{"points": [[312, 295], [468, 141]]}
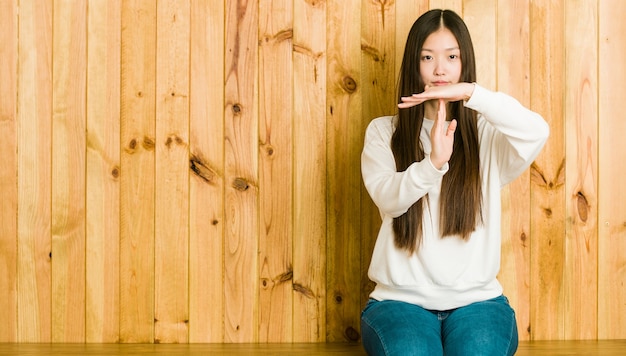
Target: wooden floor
{"points": [[606, 347]]}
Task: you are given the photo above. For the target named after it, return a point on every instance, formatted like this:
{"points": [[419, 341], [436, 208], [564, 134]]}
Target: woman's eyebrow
{"points": [[446, 49]]}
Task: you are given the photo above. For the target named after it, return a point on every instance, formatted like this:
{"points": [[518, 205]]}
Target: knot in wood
{"points": [[240, 184], [201, 169], [352, 334], [583, 207], [305, 291], [173, 139], [148, 143], [236, 108], [349, 84], [547, 212]]}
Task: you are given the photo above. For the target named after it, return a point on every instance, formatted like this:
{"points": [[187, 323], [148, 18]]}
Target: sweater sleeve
{"points": [[515, 134], [393, 192]]}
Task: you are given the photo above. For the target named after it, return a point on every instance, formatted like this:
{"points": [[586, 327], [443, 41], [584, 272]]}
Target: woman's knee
{"points": [[484, 328], [397, 328]]}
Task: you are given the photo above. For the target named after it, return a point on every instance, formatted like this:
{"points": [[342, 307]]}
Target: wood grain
{"points": [[481, 16], [103, 171], [406, 14], [378, 99], [275, 170], [344, 143], [8, 170], [241, 150], [137, 186], [572, 347], [69, 72], [206, 162], [34, 143], [309, 170], [513, 68], [171, 313], [454, 5], [547, 173], [611, 167], [580, 281], [234, 211]]}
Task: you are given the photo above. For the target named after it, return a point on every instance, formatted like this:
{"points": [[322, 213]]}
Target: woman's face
{"points": [[440, 59]]}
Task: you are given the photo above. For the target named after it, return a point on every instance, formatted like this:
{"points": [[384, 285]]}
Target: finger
{"points": [[441, 111], [451, 128], [440, 118], [413, 98], [407, 105], [408, 102], [429, 95]]}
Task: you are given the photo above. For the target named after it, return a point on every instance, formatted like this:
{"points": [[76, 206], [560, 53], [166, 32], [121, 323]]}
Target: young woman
{"points": [[435, 171]]}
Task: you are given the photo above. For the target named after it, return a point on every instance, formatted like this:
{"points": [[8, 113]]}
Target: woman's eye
{"points": [[454, 56], [427, 58]]}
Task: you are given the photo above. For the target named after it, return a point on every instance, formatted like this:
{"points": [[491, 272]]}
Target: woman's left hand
{"points": [[452, 92]]}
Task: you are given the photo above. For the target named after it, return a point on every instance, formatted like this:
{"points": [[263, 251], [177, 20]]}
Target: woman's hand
{"points": [[442, 138], [452, 92]]}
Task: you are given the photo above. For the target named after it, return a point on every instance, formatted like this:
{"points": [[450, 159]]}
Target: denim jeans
{"points": [[398, 328]]}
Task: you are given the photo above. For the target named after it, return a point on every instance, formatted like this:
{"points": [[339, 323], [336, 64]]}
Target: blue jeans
{"points": [[398, 328]]}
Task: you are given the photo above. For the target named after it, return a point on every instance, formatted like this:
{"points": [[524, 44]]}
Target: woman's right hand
{"points": [[442, 138]]}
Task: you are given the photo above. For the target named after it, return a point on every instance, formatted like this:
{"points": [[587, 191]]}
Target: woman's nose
{"points": [[439, 69]]}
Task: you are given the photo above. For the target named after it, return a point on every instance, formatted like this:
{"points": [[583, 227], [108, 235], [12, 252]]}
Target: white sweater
{"points": [[447, 273]]}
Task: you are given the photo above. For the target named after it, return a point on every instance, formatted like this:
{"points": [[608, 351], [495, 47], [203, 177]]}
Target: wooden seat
{"points": [[603, 347]]}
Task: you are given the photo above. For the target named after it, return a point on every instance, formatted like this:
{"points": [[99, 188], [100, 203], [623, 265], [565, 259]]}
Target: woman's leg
{"points": [[398, 328], [483, 328]]}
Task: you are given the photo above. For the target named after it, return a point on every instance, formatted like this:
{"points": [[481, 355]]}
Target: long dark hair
{"points": [[460, 207]]}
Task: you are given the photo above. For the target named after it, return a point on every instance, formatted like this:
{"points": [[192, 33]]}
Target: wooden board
{"points": [[547, 173], [241, 204], [481, 16], [513, 78], [275, 170], [103, 171], [603, 347], [171, 299], [580, 281], [378, 90], [611, 167], [310, 160], [8, 170], [454, 5], [137, 186], [406, 14], [34, 143], [344, 144], [69, 71], [206, 163]]}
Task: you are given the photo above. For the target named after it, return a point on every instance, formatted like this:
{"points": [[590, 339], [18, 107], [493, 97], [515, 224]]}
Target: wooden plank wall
{"points": [[182, 171]]}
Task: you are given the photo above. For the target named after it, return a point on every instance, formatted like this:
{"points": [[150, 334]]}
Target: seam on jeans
{"points": [[380, 340], [508, 347]]}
